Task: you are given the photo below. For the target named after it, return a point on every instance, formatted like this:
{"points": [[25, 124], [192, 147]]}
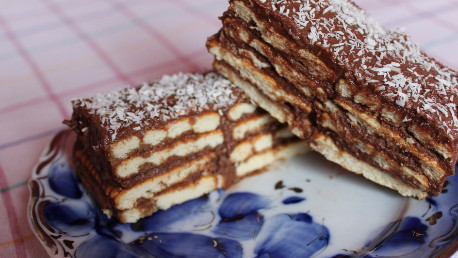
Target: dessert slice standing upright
{"points": [[365, 97]]}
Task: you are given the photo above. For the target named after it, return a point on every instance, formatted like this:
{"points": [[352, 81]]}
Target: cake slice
{"points": [[148, 148], [363, 96]]}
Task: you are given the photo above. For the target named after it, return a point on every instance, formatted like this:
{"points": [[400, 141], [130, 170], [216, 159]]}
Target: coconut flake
{"points": [[170, 97], [350, 33]]}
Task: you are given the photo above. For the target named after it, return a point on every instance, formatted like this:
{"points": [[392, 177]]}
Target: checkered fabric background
{"points": [[52, 51]]}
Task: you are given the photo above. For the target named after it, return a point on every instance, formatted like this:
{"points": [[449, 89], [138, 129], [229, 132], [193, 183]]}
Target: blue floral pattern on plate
{"points": [[285, 214]]}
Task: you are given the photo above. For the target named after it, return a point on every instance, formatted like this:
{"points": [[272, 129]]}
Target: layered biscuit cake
{"points": [[365, 97], [147, 148]]}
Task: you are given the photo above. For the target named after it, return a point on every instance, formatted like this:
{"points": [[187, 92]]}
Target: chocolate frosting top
{"points": [[386, 61], [131, 109]]}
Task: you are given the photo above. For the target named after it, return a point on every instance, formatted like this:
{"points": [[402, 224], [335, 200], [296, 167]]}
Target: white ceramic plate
{"points": [[301, 207]]}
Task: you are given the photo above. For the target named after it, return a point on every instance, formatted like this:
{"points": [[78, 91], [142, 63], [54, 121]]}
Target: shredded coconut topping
{"points": [[396, 68], [169, 98]]}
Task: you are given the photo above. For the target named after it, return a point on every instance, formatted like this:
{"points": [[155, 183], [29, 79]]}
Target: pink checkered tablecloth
{"points": [[52, 51]]}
